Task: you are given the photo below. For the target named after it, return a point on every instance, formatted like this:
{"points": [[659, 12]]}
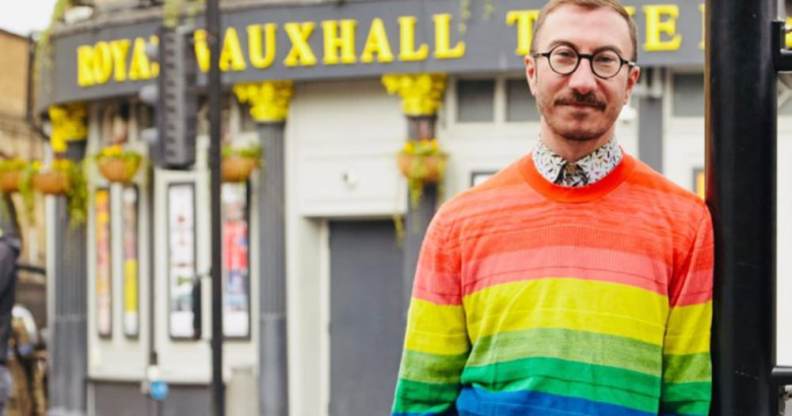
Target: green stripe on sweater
{"points": [[687, 368], [570, 345], [418, 397]]}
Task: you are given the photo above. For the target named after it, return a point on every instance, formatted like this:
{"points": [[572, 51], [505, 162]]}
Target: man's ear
{"points": [[632, 79], [530, 72]]}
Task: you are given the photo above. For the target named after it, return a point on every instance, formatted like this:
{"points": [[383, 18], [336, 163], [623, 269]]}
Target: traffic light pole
{"points": [[741, 193], [212, 32]]}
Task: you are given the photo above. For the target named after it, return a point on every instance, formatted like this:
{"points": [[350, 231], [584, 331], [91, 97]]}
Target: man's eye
{"points": [[565, 53]]}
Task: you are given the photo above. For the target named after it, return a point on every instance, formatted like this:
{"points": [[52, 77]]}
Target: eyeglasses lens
{"points": [[564, 60]]}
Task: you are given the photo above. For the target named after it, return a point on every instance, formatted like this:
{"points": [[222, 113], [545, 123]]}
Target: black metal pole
{"points": [[741, 193], [213, 32]]}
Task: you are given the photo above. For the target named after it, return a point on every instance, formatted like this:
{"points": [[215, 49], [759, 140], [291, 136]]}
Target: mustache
{"points": [[576, 98]]}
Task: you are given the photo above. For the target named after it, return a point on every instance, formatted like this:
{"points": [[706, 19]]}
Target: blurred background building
{"points": [[321, 86]]}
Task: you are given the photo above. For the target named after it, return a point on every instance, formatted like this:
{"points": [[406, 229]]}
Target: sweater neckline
{"points": [[576, 194]]}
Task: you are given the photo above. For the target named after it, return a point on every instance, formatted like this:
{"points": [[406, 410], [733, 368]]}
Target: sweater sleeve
{"points": [[687, 370], [436, 344]]}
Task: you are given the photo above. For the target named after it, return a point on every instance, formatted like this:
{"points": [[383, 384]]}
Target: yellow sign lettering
{"points": [[661, 19], [333, 42], [788, 37], [630, 10], [85, 58], [407, 51], [524, 20], [257, 57], [443, 49], [231, 56], [120, 49], [377, 42], [154, 40], [301, 52], [140, 67], [201, 50], [102, 63]]}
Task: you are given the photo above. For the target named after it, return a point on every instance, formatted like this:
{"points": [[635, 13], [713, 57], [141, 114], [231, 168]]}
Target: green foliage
{"points": [[173, 9], [252, 151], [26, 191], [77, 193], [12, 165]]}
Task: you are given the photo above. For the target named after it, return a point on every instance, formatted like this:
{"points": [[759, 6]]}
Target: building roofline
{"points": [[13, 34]]}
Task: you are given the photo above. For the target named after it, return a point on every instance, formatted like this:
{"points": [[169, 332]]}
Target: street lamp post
{"points": [[214, 88]]}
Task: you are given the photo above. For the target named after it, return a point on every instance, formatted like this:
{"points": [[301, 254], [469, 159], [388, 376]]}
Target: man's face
{"points": [[581, 106]]}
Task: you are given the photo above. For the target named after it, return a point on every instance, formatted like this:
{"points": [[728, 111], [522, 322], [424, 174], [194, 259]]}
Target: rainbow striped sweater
{"points": [[534, 299]]}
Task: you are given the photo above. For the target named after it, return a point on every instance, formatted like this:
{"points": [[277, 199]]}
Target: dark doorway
{"points": [[366, 318]]}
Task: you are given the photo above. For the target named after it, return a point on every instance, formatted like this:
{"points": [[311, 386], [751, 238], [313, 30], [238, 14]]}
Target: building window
{"points": [[236, 260], [104, 264], [475, 101], [688, 95], [181, 259], [130, 208], [520, 104]]}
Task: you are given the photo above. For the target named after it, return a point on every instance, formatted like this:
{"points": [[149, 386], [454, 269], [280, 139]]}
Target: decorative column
{"points": [[67, 273], [269, 106], [421, 96]]}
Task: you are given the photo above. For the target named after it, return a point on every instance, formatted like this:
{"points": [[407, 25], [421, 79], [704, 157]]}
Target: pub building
{"points": [[320, 243]]}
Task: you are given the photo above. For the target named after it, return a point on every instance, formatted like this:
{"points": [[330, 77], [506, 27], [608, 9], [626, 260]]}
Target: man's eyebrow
{"points": [[555, 43]]}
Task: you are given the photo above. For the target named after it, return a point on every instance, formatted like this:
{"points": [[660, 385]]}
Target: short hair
{"points": [[614, 5]]}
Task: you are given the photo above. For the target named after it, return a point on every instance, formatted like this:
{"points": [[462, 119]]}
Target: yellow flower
{"points": [[114, 150]]}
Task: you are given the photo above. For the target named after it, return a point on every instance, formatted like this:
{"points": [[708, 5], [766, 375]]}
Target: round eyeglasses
{"points": [[565, 60]]}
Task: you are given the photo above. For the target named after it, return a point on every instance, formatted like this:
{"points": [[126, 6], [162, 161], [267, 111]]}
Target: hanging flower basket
{"points": [[238, 163], [52, 182], [117, 164], [11, 174], [9, 181], [429, 169], [421, 162]]}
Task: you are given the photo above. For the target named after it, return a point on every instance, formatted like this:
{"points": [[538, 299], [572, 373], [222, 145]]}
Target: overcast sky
{"points": [[25, 16]]}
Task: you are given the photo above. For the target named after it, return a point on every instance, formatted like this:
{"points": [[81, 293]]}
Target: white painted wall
{"points": [[346, 135], [126, 359], [784, 244], [119, 357], [341, 142]]}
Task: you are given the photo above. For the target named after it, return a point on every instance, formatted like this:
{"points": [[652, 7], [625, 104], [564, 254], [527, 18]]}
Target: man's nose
{"points": [[583, 79]]}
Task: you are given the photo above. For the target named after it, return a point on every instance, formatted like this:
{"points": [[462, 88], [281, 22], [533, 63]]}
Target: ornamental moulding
{"points": [[421, 94], [269, 100]]}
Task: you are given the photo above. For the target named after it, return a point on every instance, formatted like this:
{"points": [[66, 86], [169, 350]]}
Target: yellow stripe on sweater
{"points": [[569, 303], [689, 329], [436, 329]]}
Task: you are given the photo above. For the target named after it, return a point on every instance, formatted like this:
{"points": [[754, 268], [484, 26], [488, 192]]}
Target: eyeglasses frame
{"points": [[589, 56]]}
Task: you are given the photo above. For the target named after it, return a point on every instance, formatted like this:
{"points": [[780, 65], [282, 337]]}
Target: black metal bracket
{"points": [[782, 57], [782, 376]]}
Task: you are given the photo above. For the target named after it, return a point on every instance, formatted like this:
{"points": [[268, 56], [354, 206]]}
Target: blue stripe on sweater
{"points": [[474, 401]]}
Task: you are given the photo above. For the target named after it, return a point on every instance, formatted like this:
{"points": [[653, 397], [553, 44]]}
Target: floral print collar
{"points": [[585, 171]]}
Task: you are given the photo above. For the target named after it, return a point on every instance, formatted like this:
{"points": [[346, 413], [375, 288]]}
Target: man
{"points": [[576, 281]]}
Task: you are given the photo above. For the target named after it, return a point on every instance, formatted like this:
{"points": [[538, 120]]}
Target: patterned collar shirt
{"points": [[585, 171]]}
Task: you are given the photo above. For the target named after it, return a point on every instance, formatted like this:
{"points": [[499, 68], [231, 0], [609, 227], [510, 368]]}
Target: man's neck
{"points": [[573, 150]]}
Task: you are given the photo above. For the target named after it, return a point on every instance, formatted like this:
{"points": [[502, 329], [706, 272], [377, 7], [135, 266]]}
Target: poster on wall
{"points": [[236, 259], [129, 208], [181, 258], [104, 307]]}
